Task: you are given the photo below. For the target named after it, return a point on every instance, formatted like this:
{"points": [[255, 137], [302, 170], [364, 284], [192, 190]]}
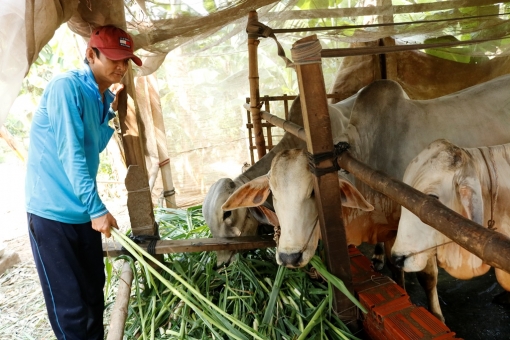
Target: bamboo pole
{"points": [[120, 308], [307, 60], [16, 146], [168, 193], [357, 51], [253, 75]]}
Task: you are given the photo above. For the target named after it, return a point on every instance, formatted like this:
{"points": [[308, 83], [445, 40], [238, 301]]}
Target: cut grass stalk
{"points": [[321, 268], [317, 317], [130, 246]]}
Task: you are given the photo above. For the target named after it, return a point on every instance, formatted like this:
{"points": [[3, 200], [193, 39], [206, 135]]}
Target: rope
{"points": [[316, 159], [307, 52], [167, 193], [493, 189], [424, 250], [257, 30], [277, 233], [165, 162]]}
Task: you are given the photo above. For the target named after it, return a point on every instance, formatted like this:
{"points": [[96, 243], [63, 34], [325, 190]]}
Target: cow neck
{"points": [[488, 157]]}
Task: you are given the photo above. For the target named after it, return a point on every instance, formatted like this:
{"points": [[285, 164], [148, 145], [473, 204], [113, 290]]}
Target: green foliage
{"points": [[253, 298]]}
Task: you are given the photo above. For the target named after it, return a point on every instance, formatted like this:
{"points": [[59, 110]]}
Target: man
{"points": [[65, 214]]}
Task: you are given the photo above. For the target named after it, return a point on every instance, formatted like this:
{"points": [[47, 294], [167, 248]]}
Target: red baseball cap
{"points": [[114, 43]]}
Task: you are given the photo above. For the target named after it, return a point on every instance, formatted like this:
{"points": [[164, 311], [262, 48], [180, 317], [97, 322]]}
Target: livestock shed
{"points": [[430, 49]]}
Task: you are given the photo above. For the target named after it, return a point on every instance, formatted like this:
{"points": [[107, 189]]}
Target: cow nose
{"points": [[291, 259], [398, 260]]}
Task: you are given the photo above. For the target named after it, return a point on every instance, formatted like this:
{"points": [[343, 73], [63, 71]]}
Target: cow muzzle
{"points": [[292, 260], [398, 260]]}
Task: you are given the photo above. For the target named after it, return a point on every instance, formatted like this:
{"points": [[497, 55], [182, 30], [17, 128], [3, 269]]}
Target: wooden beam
{"points": [[196, 245], [306, 56]]}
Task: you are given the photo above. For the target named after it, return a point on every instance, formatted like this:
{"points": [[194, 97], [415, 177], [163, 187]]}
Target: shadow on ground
{"points": [[466, 304]]}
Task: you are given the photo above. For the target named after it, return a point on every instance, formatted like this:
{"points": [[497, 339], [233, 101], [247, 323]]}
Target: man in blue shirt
{"points": [[65, 213]]}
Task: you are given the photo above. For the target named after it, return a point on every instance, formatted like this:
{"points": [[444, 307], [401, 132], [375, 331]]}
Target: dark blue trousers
{"points": [[69, 261]]}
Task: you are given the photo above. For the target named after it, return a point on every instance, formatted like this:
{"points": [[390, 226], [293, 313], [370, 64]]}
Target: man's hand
{"points": [[116, 88], [103, 224]]}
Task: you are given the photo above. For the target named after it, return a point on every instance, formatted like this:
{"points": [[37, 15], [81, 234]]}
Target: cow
{"points": [[247, 221], [473, 182], [287, 168], [386, 130]]}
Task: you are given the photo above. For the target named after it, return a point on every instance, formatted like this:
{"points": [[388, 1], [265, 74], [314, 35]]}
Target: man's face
{"points": [[106, 71]]}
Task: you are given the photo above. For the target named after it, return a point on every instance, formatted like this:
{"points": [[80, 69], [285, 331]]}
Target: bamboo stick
{"points": [[168, 193], [120, 308]]}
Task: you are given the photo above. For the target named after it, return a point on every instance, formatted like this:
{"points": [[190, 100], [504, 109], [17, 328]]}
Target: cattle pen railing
{"points": [[266, 101]]}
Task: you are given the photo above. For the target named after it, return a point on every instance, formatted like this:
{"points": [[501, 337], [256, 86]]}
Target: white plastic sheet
{"points": [[13, 46]]}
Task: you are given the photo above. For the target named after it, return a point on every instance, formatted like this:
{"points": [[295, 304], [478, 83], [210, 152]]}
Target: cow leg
{"points": [[378, 257], [397, 273], [428, 280]]}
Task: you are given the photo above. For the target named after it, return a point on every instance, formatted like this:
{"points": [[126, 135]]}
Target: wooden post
{"points": [[307, 58], [120, 308], [253, 75], [132, 139]]}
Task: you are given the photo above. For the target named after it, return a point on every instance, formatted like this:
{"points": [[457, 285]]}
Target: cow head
{"points": [[448, 173], [291, 184], [234, 223]]}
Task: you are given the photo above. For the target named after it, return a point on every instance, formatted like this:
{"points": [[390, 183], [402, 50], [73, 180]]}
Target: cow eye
{"points": [[227, 214], [434, 196], [312, 194]]}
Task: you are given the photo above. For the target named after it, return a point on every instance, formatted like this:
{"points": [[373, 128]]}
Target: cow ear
{"points": [[351, 197], [251, 194], [265, 216], [470, 195], [469, 191]]}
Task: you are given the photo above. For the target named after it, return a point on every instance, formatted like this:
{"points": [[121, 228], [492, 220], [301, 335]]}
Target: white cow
{"points": [[473, 182], [243, 221], [386, 131], [296, 245]]}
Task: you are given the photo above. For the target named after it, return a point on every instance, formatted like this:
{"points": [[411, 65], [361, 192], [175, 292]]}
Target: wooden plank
{"points": [[327, 189], [198, 244]]}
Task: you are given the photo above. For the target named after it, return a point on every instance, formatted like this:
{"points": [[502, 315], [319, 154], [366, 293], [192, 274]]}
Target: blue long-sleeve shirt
{"points": [[69, 130]]}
